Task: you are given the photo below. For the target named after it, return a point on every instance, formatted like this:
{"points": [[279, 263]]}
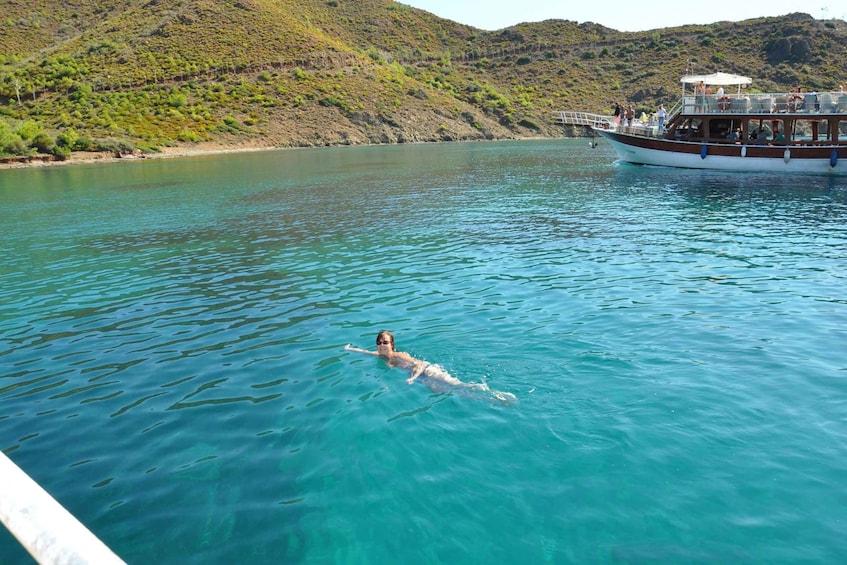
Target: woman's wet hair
{"points": [[389, 335]]}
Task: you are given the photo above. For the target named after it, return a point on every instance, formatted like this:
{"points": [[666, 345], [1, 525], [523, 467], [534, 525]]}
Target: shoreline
{"points": [[91, 157]]}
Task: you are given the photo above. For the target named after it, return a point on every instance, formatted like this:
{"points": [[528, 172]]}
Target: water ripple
{"points": [[171, 342]]}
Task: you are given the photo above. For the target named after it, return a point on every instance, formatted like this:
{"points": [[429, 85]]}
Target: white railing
{"points": [[599, 121], [757, 103], [765, 103], [46, 530], [567, 118]]}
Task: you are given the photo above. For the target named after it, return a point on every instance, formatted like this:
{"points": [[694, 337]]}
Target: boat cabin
{"points": [[720, 110], [812, 124]]}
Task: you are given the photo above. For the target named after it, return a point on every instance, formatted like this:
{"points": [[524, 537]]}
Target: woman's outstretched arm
{"points": [[349, 347]]}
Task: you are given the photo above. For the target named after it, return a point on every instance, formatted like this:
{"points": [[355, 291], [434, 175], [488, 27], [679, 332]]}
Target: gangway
{"points": [[568, 118]]}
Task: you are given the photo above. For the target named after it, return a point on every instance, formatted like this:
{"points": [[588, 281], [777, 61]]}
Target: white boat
{"points": [[713, 128]]}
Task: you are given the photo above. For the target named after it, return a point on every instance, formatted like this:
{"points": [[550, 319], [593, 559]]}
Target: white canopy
{"points": [[722, 79]]}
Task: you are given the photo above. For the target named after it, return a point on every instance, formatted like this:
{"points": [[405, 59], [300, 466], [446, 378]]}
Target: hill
{"points": [[147, 74]]}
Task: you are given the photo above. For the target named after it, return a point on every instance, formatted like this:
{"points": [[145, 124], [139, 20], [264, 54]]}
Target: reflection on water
{"points": [[172, 338]]}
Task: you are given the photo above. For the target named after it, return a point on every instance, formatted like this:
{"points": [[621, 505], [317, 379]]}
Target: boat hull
{"points": [[642, 150]]}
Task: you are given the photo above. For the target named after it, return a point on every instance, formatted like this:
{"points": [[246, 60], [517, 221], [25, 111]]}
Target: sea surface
{"points": [[173, 371]]}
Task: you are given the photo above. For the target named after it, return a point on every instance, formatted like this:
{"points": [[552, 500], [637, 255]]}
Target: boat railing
{"points": [[674, 110], [809, 104], [568, 118], [765, 103], [44, 527], [600, 121]]}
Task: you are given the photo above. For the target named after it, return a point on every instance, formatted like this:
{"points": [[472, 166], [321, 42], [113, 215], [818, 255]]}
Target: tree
{"points": [[43, 143]]}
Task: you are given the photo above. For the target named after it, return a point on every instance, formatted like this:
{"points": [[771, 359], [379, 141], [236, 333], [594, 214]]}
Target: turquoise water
{"points": [[171, 348]]}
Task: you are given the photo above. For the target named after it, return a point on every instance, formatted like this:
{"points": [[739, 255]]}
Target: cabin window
{"points": [[689, 129]]}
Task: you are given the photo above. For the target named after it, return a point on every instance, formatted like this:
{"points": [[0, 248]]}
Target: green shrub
{"points": [[114, 145], [330, 101], [43, 143], [62, 152], [10, 142], [14, 146], [188, 135], [529, 124], [84, 143], [177, 100], [28, 130], [67, 139]]}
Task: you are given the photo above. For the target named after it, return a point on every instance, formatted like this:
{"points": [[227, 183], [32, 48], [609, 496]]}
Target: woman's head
{"points": [[385, 339]]}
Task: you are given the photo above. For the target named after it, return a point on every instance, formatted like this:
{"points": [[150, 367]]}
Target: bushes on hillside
{"points": [[11, 142], [29, 138]]}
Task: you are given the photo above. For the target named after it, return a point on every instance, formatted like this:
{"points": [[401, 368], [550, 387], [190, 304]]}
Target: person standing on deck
{"points": [[700, 97]]}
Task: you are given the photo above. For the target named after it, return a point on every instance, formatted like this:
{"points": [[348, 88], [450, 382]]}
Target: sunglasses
{"points": [[386, 342]]}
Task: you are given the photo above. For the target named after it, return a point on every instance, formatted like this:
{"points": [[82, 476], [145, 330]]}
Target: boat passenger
{"points": [[662, 114], [700, 97], [816, 103], [796, 100]]}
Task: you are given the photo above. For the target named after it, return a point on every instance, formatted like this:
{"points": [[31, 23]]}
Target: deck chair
{"points": [[741, 104]]}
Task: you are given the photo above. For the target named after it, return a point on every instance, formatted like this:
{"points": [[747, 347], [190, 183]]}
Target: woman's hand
{"points": [[349, 347], [416, 372]]}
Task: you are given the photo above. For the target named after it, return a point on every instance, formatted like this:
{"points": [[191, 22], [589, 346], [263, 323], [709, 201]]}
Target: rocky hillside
{"points": [[82, 74]]}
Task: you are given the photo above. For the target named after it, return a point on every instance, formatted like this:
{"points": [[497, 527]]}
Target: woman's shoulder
{"points": [[402, 356], [403, 360]]}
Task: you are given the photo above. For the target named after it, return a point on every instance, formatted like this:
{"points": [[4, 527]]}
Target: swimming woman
{"points": [[436, 377]]}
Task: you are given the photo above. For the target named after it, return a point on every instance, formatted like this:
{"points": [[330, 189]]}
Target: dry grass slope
{"points": [[150, 74]]}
